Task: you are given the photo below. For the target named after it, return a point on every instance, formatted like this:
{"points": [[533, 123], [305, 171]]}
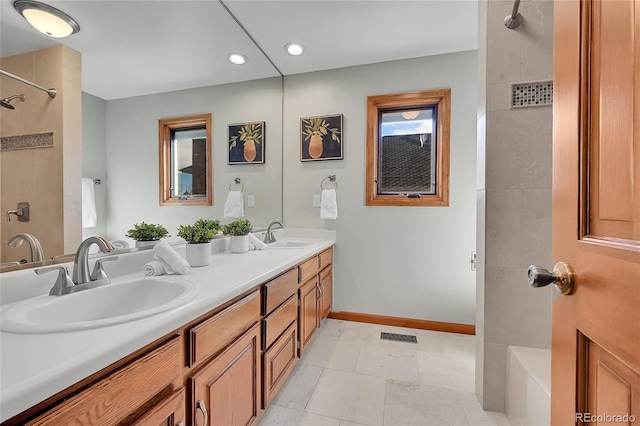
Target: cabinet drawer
{"points": [[326, 258], [111, 400], [279, 289], [278, 321], [308, 269], [213, 334], [278, 363]]}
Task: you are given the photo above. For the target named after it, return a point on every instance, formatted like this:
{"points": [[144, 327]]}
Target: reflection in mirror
{"points": [[185, 171]]}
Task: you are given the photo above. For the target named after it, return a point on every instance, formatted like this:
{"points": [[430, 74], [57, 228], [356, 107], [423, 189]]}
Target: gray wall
{"points": [[409, 262], [94, 153], [514, 192], [132, 154]]}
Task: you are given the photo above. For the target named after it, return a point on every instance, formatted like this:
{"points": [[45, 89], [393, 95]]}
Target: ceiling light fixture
{"points": [[47, 19], [237, 58], [294, 49], [410, 115]]}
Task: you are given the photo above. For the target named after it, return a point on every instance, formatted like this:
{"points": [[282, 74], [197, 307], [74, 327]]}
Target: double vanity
{"points": [[213, 346]]}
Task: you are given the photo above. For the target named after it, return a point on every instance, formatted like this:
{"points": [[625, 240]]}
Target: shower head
{"points": [[6, 102]]}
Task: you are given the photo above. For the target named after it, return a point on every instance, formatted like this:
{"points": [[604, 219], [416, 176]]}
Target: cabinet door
{"points": [[279, 360], [168, 412], [226, 391], [326, 292], [308, 313]]}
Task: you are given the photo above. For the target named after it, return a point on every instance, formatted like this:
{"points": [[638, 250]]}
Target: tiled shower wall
{"points": [[48, 178], [514, 191]]}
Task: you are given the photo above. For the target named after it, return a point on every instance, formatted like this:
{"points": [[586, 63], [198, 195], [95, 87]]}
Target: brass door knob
{"points": [[562, 277]]}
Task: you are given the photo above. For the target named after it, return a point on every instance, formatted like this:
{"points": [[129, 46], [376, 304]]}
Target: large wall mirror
{"points": [[119, 136]]}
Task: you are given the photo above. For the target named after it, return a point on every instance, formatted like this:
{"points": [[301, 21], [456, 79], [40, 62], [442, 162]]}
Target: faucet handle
{"points": [[98, 273], [63, 281]]}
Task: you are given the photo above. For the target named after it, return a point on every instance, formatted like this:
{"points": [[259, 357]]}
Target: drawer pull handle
{"points": [[200, 406]]}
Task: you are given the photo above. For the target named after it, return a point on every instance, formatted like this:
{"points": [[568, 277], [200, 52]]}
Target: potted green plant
{"points": [[314, 129], [198, 237], [249, 135], [238, 230], [147, 234]]}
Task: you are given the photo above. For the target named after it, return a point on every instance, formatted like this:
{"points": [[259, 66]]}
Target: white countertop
{"points": [[34, 367]]}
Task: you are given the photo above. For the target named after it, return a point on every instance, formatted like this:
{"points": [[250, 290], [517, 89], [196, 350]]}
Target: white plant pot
{"points": [[143, 245], [239, 244], [198, 254]]}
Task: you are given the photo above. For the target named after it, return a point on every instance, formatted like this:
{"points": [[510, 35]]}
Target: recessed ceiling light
{"points": [[237, 58], [47, 19], [294, 49]]}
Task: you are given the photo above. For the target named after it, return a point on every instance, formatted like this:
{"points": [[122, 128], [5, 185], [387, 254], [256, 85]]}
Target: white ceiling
{"points": [[132, 48]]}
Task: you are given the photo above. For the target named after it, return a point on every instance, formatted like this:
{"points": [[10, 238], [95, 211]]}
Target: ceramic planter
{"points": [[239, 244], [198, 254], [146, 244]]}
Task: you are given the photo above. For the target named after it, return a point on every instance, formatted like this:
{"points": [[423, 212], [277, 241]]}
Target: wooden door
{"points": [[326, 296], [226, 391], [308, 314], [596, 211]]}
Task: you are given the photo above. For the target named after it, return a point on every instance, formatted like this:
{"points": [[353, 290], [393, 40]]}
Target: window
{"points": [[185, 165], [408, 149]]}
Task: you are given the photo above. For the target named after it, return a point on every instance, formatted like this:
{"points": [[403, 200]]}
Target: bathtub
{"points": [[528, 387]]}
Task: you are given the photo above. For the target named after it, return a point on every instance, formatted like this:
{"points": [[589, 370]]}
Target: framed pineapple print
{"points": [[246, 143], [321, 138]]}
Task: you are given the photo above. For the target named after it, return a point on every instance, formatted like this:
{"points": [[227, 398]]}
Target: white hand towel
{"points": [[328, 204], [154, 268], [89, 214], [234, 206], [171, 257], [259, 245]]}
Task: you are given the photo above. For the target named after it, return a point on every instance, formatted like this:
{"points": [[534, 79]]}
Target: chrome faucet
{"points": [[81, 262], [268, 236], [35, 248], [81, 279]]}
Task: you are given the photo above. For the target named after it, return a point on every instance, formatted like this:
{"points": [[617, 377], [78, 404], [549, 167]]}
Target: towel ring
{"points": [[237, 181], [331, 178]]}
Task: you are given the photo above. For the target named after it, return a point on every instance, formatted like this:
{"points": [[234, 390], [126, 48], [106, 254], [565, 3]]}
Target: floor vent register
{"points": [[398, 337]]}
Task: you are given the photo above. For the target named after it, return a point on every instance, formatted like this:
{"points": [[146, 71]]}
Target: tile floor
{"points": [[349, 377]]}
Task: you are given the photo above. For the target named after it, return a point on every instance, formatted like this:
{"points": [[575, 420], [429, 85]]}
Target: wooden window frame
{"points": [[439, 97], [165, 128]]}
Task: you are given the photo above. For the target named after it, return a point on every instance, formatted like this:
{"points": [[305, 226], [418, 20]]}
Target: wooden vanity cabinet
{"points": [[279, 332], [226, 390], [128, 393], [315, 293], [223, 368]]}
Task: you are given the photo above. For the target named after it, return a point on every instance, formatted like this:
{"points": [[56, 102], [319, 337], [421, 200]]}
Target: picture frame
{"points": [[246, 143], [321, 138]]}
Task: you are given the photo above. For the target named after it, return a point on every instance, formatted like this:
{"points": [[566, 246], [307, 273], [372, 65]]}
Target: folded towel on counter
{"points": [[234, 206], [154, 268], [255, 241], [328, 204], [174, 263], [89, 214], [119, 244]]}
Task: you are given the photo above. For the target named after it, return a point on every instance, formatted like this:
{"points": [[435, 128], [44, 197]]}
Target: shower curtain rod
{"points": [[51, 92]]}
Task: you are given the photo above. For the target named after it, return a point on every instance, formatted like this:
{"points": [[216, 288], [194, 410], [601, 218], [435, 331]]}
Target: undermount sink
{"points": [[288, 244], [109, 304]]}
